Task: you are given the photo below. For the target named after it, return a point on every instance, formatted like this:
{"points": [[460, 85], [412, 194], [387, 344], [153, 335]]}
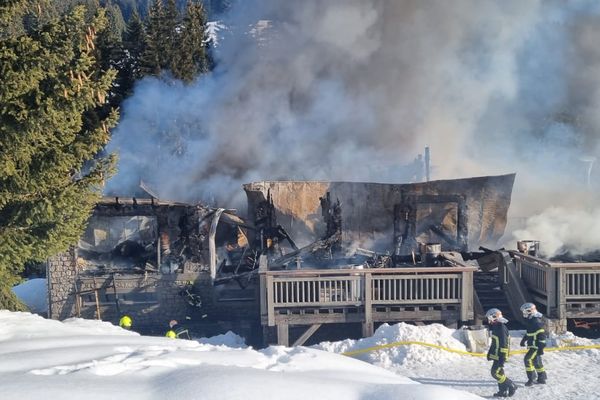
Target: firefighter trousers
{"points": [[533, 361], [498, 372]]}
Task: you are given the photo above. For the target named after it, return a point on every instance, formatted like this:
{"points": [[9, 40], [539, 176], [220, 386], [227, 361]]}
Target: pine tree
{"points": [[170, 33], [116, 23], [175, 43], [134, 44], [152, 57], [50, 138], [111, 53], [190, 58]]}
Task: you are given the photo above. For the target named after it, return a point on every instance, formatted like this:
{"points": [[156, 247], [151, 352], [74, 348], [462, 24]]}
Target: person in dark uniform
{"points": [[535, 340], [499, 351], [177, 331]]}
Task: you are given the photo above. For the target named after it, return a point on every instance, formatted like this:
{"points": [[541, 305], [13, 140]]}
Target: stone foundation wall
{"points": [[152, 300], [61, 272]]}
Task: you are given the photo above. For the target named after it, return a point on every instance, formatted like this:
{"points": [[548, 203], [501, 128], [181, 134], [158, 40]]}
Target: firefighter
{"points": [[535, 340], [126, 322], [499, 351], [177, 331]]}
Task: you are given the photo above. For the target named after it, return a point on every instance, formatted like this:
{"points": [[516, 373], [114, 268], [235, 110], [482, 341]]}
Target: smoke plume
{"points": [[354, 89]]}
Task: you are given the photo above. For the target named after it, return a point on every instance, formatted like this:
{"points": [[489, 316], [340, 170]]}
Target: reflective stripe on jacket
{"points": [[536, 334], [500, 341]]}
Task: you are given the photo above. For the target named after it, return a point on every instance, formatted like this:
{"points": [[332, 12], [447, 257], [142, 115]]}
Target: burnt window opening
{"points": [[269, 237], [112, 243], [233, 252], [145, 236], [430, 219]]}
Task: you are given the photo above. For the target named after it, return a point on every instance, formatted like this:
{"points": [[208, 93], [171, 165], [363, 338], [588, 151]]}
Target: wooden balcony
{"points": [[314, 297]]}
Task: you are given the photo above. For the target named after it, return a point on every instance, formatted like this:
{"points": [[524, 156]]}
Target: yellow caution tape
{"points": [[462, 352]]}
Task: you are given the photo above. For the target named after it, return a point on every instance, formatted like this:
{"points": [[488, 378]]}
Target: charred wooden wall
{"points": [[368, 209]]}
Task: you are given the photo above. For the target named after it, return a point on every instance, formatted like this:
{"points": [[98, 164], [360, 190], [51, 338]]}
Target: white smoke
{"points": [[560, 229], [353, 89]]}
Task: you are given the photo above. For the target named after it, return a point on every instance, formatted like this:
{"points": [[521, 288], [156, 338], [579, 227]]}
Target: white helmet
{"points": [[529, 310], [494, 315]]}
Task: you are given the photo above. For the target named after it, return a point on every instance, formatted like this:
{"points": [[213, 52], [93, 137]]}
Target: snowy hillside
{"points": [[77, 359]]}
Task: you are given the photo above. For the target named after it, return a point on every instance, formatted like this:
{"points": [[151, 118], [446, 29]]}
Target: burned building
{"points": [[156, 261], [458, 214], [307, 254]]}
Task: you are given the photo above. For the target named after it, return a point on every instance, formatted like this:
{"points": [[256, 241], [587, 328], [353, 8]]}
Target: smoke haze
{"points": [[354, 89]]}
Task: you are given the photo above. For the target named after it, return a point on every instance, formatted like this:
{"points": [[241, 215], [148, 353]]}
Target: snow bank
{"points": [[23, 325], [34, 293], [403, 355], [96, 360], [228, 339]]}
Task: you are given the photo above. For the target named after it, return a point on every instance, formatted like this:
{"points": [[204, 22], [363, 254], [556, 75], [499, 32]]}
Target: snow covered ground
{"points": [[83, 358], [78, 359], [571, 374]]}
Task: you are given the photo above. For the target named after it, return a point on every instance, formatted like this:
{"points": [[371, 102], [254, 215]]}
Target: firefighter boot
{"points": [[502, 390], [542, 377], [512, 388], [530, 378]]}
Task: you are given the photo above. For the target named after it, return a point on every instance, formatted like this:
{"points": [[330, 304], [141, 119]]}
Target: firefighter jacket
{"points": [[536, 335], [500, 342], [178, 332]]}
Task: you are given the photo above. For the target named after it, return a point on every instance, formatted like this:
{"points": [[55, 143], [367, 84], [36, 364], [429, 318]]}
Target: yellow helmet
{"points": [[171, 334], [125, 322]]}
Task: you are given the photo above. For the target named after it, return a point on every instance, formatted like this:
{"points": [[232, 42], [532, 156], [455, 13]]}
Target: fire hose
{"points": [[462, 352]]}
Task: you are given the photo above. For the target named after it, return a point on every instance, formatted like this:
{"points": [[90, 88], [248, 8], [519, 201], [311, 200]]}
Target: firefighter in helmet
{"points": [[535, 340], [126, 322], [499, 351], [177, 331]]}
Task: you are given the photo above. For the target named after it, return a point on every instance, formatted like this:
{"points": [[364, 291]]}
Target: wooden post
{"points": [[78, 305], [269, 300], [158, 244], [262, 269], [466, 301], [283, 337], [562, 296], [551, 292], [97, 300], [367, 328], [97, 305], [77, 300]]}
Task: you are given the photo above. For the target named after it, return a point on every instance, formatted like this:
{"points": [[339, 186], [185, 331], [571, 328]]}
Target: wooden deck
{"points": [[314, 297], [567, 290]]}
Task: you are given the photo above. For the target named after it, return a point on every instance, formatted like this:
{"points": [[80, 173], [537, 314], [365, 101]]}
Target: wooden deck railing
{"points": [[559, 286], [366, 288]]}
